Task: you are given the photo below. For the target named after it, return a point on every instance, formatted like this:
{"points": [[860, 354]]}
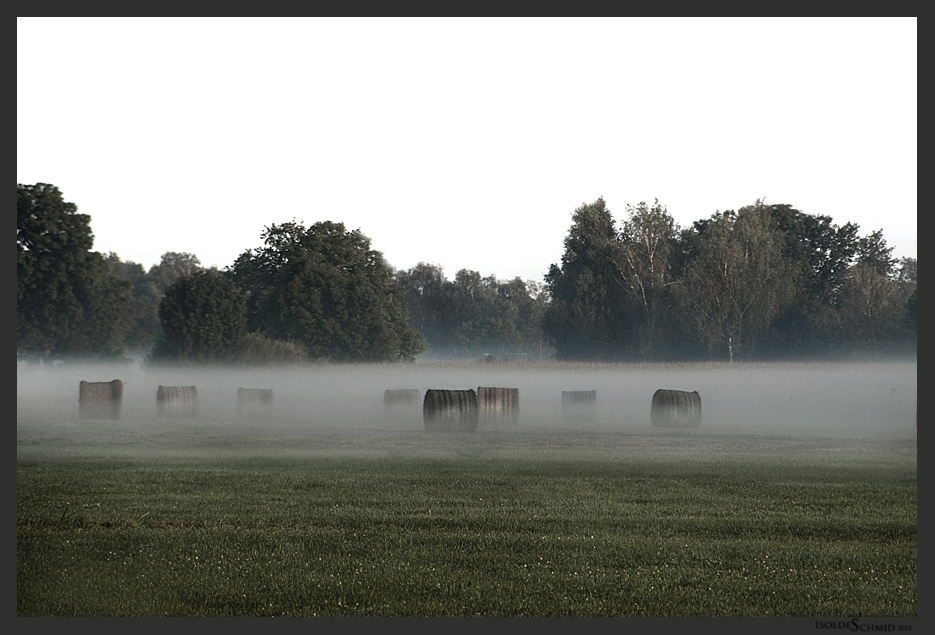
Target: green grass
{"points": [[534, 531]]}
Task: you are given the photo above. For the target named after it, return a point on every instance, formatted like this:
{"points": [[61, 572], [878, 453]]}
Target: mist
{"points": [[317, 402]]}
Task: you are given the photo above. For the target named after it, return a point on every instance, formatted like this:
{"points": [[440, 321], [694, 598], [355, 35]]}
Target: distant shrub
{"points": [[260, 350]]}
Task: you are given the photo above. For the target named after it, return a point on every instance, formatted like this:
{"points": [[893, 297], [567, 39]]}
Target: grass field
{"points": [[550, 525], [220, 517]]}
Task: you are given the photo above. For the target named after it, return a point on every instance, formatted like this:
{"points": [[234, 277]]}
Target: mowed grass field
{"points": [[224, 517]]}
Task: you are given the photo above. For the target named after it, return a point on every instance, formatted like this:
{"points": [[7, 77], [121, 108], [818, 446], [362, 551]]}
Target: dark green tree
{"points": [[204, 319], [66, 301], [908, 280], [523, 305], [138, 326], [586, 317], [912, 320], [325, 288], [473, 315], [480, 328], [819, 254], [430, 305]]}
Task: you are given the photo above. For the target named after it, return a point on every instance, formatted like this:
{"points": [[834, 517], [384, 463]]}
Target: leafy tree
{"points": [[473, 315], [875, 312], [738, 281], [819, 254], [870, 310], [430, 304], [66, 303], [873, 252], [908, 280], [172, 267], [643, 262], [908, 276], [324, 287], [912, 320], [586, 317], [481, 325], [204, 319], [138, 327], [523, 304]]}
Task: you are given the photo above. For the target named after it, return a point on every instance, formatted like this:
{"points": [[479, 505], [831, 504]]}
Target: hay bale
{"points": [[676, 409], [450, 411], [254, 402], [401, 398], [579, 405], [401, 404], [176, 401], [100, 400], [498, 405]]}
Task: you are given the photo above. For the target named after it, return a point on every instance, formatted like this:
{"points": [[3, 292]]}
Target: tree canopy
{"points": [[66, 303], [586, 317], [204, 319], [474, 316], [324, 287], [762, 282]]}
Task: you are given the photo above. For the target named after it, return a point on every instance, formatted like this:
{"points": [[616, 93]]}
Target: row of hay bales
{"points": [[102, 400], [462, 410], [442, 410]]}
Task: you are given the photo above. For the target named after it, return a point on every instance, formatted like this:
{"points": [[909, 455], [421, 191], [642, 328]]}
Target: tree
{"points": [[874, 311], [66, 302], [429, 303], [908, 280], [738, 281], [138, 327], [473, 315], [477, 326], [873, 252], [819, 254], [172, 267], [325, 288], [586, 317], [523, 305], [643, 262], [871, 311], [204, 319]]}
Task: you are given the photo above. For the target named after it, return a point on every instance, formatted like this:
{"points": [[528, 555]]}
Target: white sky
{"points": [[466, 143]]}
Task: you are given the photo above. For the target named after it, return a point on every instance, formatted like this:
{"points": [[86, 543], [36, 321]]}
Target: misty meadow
{"points": [[311, 432], [795, 496]]}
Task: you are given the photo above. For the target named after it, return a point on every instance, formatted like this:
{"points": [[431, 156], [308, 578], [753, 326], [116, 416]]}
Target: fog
{"points": [[801, 399]]}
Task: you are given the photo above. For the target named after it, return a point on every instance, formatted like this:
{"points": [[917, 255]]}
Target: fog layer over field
{"points": [[820, 398]]}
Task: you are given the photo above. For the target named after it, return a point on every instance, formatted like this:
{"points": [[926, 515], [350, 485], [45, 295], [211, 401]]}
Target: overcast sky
{"points": [[463, 143]]}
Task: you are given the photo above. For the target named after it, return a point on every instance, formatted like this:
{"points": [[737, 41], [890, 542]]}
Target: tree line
{"points": [[761, 282], [764, 281]]}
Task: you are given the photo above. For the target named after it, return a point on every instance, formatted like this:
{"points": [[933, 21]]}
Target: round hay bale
{"points": [[100, 400], [406, 397], [579, 405], [176, 401], [254, 402], [498, 405], [676, 409], [450, 411]]}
